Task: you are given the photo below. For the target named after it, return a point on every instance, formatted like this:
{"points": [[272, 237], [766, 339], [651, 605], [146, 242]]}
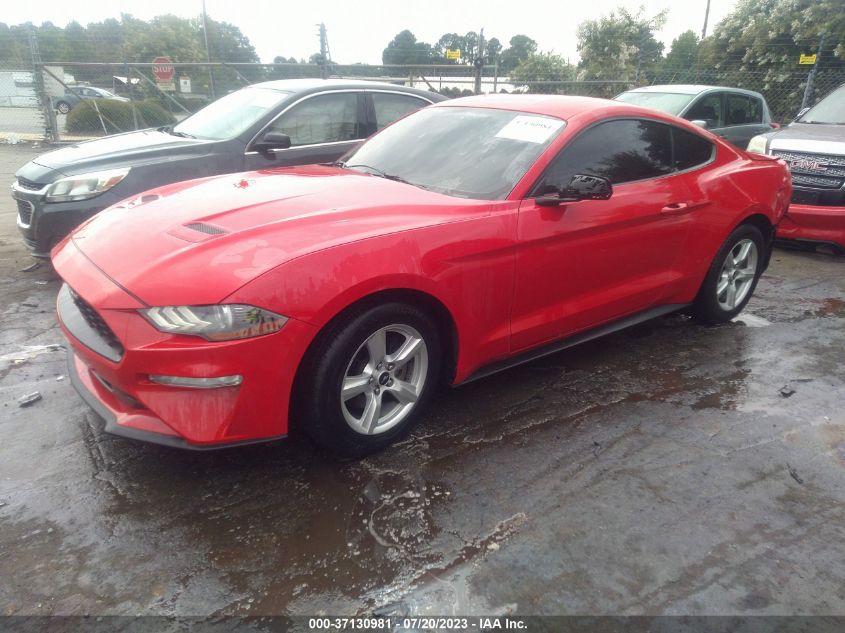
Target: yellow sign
{"points": [[450, 54], [807, 59]]}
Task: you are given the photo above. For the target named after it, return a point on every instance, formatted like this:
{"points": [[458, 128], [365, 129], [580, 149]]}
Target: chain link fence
{"points": [[71, 101]]}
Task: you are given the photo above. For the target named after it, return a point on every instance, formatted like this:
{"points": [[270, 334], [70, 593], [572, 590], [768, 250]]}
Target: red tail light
{"points": [[775, 126]]}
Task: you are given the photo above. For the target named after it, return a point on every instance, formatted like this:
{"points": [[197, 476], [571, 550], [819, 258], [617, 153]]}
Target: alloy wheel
{"points": [[384, 379], [737, 275]]}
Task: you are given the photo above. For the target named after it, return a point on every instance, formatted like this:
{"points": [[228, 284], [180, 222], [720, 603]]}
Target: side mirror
{"points": [[700, 123], [581, 187], [271, 141]]}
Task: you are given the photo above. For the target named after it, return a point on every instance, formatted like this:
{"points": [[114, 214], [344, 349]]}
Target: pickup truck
{"points": [[813, 146]]}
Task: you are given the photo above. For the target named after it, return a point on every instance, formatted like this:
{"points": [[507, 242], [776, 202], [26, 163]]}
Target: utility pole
{"points": [[479, 62], [808, 90], [207, 51], [51, 128], [324, 51], [701, 43]]}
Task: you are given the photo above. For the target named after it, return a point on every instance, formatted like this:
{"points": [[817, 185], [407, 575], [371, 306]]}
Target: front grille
{"points": [[29, 185], [821, 182], [208, 229], [96, 322], [818, 178], [24, 212], [818, 164]]}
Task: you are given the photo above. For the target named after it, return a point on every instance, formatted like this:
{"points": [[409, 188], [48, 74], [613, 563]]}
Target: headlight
{"points": [[215, 323], [758, 145], [85, 186]]}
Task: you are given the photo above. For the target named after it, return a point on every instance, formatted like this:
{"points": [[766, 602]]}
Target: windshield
{"points": [[465, 152], [830, 110], [668, 102], [231, 115]]}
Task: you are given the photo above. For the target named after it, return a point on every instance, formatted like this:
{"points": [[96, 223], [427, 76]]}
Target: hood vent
{"points": [[208, 229]]}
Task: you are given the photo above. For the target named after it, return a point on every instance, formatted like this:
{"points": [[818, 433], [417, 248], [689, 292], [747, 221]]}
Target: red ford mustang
{"points": [[465, 238]]}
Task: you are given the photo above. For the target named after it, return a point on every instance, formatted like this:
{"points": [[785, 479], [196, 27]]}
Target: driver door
{"points": [[586, 263], [322, 128]]}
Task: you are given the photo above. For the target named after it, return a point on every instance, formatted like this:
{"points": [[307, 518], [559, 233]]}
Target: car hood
{"points": [[807, 137], [120, 150], [198, 242]]}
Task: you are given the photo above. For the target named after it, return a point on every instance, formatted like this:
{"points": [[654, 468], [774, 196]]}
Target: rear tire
{"points": [[367, 378], [63, 107], [732, 277]]}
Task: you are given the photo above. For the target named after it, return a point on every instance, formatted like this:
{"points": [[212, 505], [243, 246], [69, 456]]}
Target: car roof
{"points": [[560, 106], [316, 85], [691, 89]]}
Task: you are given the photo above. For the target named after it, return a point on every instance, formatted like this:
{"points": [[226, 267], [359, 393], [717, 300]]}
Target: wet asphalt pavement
{"points": [[669, 469]]}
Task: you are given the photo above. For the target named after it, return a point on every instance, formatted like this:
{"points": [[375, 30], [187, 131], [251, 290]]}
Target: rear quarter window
{"points": [[690, 149]]}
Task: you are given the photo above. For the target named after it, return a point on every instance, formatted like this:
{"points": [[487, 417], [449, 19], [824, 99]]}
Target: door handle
{"points": [[675, 208]]}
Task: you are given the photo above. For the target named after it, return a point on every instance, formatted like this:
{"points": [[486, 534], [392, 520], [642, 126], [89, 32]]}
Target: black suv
{"points": [[270, 124]]}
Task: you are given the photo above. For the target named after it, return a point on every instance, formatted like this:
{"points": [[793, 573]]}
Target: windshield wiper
{"points": [[378, 172], [169, 130]]}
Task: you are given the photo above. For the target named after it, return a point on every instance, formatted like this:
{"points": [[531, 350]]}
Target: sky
{"points": [[358, 30]]}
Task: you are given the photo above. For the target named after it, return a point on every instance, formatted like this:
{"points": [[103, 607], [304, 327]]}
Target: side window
{"points": [[621, 151], [690, 149], [325, 118], [708, 108], [389, 107], [742, 110]]}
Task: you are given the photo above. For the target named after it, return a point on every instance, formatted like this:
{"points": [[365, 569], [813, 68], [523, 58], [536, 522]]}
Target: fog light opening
{"points": [[198, 383]]}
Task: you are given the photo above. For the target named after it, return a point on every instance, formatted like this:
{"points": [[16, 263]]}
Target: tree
{"points": [[521, 47], [405, 49], [451, 42], [492, 51], [537, 69], [620, 44], [758, 44], [679, 65]]}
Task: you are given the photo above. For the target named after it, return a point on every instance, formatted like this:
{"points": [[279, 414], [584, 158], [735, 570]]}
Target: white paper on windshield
{"points": [[531, 129]]}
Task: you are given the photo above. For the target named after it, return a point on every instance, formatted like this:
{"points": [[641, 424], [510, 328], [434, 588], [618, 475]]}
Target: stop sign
{"points": [[163, 68]]}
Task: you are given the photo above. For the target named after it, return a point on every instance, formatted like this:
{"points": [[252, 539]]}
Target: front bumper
{"points": [[43, 224], [815, 224], [120, 418], [112, 374]]}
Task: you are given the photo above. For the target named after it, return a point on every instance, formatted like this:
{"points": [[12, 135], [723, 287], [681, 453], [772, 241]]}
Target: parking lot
{"points": [[668, 469]]}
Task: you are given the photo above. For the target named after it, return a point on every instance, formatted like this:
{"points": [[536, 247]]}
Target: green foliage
{"points": [[85, 118], [680, 62], [405, 49], [132, 40], [521, 48], [757, 46], [454, 93], [615, 45], [191, 102], [537, 69]]}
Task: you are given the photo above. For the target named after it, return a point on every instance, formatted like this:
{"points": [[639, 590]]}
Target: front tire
{"points": [[732, 277], [63, 107], [366, 380]]}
